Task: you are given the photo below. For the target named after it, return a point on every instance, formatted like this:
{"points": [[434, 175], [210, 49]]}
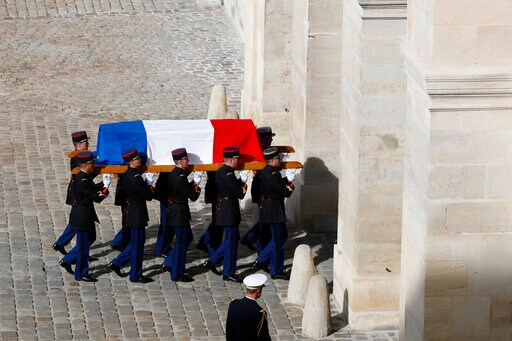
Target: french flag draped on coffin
{"points": [[155, 139]]}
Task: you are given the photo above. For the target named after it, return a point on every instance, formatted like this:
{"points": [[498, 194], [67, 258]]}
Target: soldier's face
{"points": [[82, 145]]}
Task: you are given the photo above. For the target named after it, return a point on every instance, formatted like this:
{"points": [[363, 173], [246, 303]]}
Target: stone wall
{"points": [[367, 257], [457, 206]]}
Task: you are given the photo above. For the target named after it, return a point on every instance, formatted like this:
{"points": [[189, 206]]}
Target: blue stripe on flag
{"points": [[115, 139]]}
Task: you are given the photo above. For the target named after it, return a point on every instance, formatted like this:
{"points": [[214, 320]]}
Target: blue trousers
{"points": [[133, 253], [72, 256], [212, 237], [122, 238], [259, 234], [274, 251], [66, 236], [83, 245], [177, 257], [165, 233], [227, 250]]}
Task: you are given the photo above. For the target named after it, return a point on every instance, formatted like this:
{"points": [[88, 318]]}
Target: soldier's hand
{"points": [[244, 175], [197, 177], [106, 180], [150, 177], [290, 174]]}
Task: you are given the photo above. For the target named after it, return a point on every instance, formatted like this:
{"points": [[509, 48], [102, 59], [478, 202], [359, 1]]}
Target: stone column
{"points": [[315, 110], [266, 93], [367, 255], [457, 215]]}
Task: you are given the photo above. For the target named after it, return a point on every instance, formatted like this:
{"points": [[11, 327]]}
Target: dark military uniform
{"points": [[137, 192], [82, 219], [246, 321], [122, 238], [165, 233], [212, 237], [180, 191], [68, 233], [274, 189], [230, 190], [259, 233]]}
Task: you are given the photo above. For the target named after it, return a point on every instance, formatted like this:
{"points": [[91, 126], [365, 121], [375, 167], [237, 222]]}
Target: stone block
{"points": [[387, 230], [471, 313], [466, 182], [384, 293], [476, 12], [381, 142], [324, 62], [375, 169], [499, 182], [438, 312], [471, 147], [479, 217], [446, 121], [446, 278], [501, 312], [380, 200], [383, 109], [378, 259], [384, 28], [383, 79]]}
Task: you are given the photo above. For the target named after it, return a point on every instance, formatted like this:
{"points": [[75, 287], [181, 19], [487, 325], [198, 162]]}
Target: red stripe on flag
{"points": [[238, 133]]}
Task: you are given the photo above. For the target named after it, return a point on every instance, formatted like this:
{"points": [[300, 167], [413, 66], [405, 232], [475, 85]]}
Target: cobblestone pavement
{"points": [[69, 65]]}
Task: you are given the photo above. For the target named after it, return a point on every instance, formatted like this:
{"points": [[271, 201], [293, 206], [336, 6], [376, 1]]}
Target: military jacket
{"points": [[246, 321], [256, 188], [85, 193], [274, 189], [210, 189], [161, 192], [180, 190], [137, 193], [120, 197], [72, 164], [229, 190]]}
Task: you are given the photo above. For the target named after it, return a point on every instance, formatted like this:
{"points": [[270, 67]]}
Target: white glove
{"points": [[150, 177], [244, 174], [197, 177], [106, 180], [290, 174]]}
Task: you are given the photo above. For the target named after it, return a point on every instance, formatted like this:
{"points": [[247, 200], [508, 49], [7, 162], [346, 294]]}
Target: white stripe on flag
{"points": [[163, 136]]}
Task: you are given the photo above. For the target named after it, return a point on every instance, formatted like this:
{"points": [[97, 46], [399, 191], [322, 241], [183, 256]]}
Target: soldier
{"points": [[274, 189], [137, 192], [257, 234], [230, 189], [83, 216], [246, 319], [81, 143], [180, 190]]}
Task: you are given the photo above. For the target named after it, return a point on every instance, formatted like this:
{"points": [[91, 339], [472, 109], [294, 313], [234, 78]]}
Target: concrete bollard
{"points": [[303, 268], [218, 103], [316, 319]]}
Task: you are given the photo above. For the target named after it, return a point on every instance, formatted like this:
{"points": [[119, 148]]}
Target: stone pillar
{"points": [[316, 320], [303, 268], [367, 254], [267, 83], [315, 110], [457, 212]]}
